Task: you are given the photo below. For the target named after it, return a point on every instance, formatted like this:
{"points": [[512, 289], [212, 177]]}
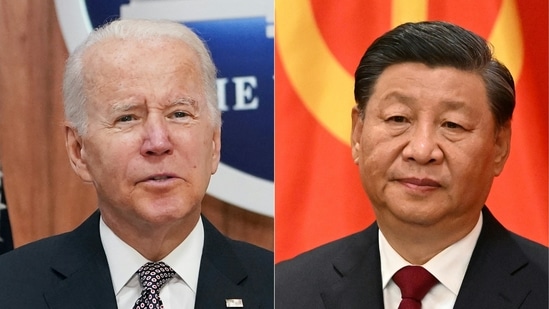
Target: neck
{"points": [[418, 244]]}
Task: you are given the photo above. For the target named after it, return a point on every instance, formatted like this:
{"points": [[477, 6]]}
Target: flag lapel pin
{"points": [[234, 303]]}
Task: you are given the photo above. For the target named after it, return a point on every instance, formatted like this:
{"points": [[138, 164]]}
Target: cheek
{"points": [[475, 157], [110, 156], [197, 151], [378, 152], [374, 165], [466, 163]]}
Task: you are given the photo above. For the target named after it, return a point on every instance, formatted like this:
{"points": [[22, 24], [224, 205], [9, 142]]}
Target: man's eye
{"points": [[397, 119], [451, 125], [180, 114], [126, 118]]}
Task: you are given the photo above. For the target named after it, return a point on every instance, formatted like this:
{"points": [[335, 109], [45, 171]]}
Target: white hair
{"points": [[74, 93]]}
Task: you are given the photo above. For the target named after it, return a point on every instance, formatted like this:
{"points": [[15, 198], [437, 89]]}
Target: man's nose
{"points": [[157, 139], [423, 145]]}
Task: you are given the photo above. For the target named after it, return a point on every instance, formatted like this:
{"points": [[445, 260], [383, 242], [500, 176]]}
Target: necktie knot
{"points": [[414, 283], [153, 276]]}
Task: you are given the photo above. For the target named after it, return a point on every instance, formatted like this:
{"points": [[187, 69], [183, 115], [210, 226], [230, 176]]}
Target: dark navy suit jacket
{"points": [[70, 271], [505, 271]]}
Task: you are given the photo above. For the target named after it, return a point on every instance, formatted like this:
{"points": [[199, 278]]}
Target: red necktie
{"points": [[414, 283]]}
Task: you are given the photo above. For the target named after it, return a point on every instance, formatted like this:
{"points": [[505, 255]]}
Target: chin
{"points": [[165, 212], [421, 221], [417, 213]]}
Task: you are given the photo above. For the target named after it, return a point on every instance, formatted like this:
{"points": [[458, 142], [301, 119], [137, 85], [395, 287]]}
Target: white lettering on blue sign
{"points": [[244, 93]]}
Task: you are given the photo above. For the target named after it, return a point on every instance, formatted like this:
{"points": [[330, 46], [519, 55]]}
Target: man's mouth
{"points": [[421, 182], [159, 177]]}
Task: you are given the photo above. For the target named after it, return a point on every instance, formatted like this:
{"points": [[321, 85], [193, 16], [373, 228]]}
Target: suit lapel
{"points": [[497, 275], [495, 268], [221, 273], [360, 274], [83, 272]]}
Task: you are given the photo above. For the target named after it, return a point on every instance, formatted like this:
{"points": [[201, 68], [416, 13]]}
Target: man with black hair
{"points": [[430, 130]]}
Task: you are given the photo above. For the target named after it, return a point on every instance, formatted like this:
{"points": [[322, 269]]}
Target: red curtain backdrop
{"points": [[318, 196]]}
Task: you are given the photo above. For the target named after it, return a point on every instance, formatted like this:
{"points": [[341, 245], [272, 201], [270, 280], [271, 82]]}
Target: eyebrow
{"points": [[120, 107], [399, 97], [124, 106], [449, 104], [184, 101]]}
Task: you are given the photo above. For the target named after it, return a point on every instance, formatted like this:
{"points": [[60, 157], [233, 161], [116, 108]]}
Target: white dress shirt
{"points": [[448, 267], [124, 261]]}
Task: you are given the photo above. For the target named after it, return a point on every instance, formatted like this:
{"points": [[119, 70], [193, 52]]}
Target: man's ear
{"points": [[356, 132], [76, 153], [503, 147], [216, 149]]}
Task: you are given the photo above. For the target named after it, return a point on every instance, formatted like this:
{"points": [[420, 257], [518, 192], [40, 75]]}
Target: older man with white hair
{"points": [[143, 127]]}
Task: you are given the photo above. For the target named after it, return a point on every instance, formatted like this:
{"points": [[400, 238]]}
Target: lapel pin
{"points": [[234, 303]]}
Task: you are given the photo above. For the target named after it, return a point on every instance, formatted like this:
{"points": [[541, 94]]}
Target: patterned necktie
{"points": [[152, 276], [414, 283]]}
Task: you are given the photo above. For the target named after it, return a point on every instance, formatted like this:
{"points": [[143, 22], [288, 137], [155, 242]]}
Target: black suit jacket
{"points": [[70, 271], [505, 271]]}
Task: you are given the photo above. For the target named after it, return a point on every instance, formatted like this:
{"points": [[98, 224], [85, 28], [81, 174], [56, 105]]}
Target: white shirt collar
{"points": [[448, 266], [124, 260]]}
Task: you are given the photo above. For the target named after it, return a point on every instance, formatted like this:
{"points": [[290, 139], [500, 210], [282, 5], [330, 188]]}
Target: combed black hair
{"points": [[437, 44]]}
